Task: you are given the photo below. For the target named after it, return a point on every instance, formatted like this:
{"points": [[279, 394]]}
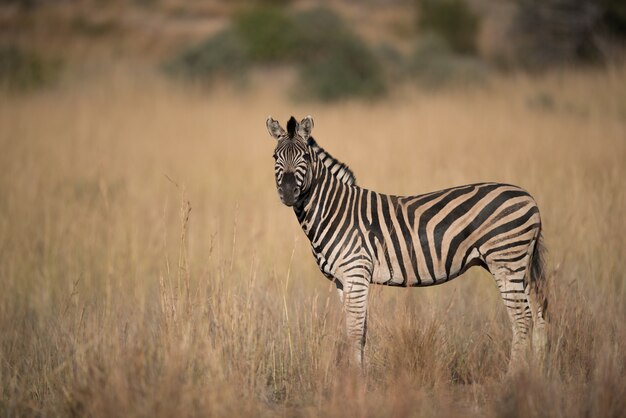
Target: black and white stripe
{"points": [[360, 237]]}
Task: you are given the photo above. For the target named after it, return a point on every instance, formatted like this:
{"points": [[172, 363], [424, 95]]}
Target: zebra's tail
{"points": [[538, 293], [538, 275]]}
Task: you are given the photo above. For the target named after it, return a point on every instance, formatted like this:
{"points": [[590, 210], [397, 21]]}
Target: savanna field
{"points": [[148, 268]]}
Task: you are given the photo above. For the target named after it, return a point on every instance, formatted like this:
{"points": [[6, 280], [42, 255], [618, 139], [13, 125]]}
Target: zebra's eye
{"points": [[274, 156], [307, 156]]}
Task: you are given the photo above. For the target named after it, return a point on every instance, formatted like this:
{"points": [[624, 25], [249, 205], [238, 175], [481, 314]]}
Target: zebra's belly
{"points": [[390, 270], [414, 273], [393, 278]]}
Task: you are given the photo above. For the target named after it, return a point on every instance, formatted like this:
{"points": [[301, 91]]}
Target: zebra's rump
{"points": [[431, 238]]}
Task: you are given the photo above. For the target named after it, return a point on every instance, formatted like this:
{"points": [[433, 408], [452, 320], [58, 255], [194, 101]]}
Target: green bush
{"points": [[333, 61], [223, 54], [394, 61], [25, 70], [319, 30], [269, 34], [453, 20], [434, 65], [348, 70]]}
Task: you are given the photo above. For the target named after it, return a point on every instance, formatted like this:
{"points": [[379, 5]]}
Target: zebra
{"points": [[360, 237]]}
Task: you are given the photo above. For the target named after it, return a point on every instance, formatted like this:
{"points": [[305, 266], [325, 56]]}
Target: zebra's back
{"points": [[432, 238]]}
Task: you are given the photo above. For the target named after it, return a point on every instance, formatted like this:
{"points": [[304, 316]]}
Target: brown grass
{"points": [[119, 299]]}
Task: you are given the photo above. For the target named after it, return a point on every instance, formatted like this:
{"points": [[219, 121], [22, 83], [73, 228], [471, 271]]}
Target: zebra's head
{"points": [[292, 156]]}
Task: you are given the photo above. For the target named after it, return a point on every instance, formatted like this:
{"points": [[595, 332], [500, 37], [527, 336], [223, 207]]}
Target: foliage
{"points": [[433, 64], [333, 61], [555, 33], [223, 54], [320, 30], [269, 34], [350, 69], [453, 20], [25, 70], [394, 61]]}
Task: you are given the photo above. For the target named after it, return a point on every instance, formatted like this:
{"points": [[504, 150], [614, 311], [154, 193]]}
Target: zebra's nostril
{"points": [[296, 191]]}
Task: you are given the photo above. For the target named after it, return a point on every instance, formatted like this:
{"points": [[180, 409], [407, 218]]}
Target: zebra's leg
{"points": [[513, 287], [355, 307], [540, 334]]}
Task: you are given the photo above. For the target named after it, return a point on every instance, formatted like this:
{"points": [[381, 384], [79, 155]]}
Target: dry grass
{"points": [[118, 299]]}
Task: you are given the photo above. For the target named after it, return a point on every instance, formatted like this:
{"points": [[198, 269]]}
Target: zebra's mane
{"points": [[340, 170]]}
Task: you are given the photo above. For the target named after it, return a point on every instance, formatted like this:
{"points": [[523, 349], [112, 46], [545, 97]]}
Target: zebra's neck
{"points": [[338, 169], [328, 174], [317, 207]]}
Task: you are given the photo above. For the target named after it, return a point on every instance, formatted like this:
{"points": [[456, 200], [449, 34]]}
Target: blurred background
{"points": [[331, 49], [148, 267]]}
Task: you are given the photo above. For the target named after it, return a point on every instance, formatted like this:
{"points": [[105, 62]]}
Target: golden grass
{"points": [[120, 300]]}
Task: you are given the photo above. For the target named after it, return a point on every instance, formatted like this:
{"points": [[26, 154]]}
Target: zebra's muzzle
{"points": [[288, 190]]}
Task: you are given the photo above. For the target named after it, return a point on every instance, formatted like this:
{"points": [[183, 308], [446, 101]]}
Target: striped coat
{"points": [[360, 237]]}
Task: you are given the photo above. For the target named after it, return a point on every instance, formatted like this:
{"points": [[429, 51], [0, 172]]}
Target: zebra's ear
{"points": [[274, 128], [305, 127]]}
